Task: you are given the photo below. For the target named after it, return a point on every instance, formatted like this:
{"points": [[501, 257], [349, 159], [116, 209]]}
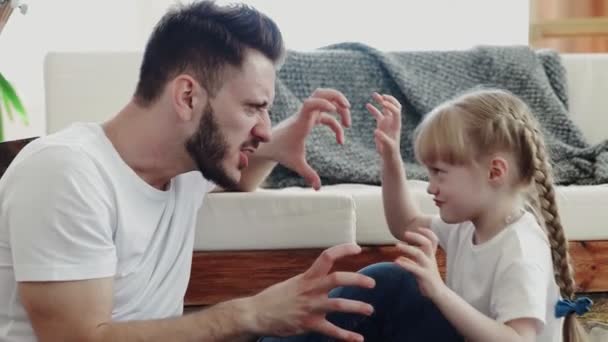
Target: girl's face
{"points": [[460, 191]]}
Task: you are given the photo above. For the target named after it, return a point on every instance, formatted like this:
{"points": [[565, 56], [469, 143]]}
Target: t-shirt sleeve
{"points": [[520, 291], [61, 218], [442, 230]]}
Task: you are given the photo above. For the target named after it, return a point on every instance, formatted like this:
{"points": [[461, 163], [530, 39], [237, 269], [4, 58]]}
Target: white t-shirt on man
{"points": [[72, 209], [507, 277]]}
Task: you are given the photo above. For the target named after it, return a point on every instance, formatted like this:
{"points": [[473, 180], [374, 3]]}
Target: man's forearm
{"points": [[256, 172], [223, 322]]}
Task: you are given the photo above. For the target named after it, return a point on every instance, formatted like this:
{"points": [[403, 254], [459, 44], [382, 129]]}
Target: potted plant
{"points": [[9, 100]]}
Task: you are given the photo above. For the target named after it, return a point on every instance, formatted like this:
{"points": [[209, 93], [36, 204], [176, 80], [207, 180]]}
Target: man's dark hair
{"points": [[202, 39]]}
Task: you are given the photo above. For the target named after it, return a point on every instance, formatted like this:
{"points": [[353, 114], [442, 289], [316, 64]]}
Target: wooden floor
{"points": [[219, 276]]}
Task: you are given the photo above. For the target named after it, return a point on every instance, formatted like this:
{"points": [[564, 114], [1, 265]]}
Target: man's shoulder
{"points": [[49, 158], [71, 147], [53, 159]]}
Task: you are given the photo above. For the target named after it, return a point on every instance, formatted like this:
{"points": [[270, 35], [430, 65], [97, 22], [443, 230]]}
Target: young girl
{"points": [[508, 266]]}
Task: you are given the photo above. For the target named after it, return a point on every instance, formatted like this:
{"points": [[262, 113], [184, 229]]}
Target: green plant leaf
{"points": [[7, 107], [4, 99], [1, 127], [18, 106], [11, 100]]}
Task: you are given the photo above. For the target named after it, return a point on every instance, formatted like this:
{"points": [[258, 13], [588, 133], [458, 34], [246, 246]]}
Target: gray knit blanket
{"points": [[421, 81]]}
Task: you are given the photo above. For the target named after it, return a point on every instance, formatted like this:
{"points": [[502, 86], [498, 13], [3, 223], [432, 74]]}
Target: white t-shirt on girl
{"points": [[507, 277]]}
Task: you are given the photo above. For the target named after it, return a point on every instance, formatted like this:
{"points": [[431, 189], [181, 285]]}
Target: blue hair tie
{"points": [[580, 306]]}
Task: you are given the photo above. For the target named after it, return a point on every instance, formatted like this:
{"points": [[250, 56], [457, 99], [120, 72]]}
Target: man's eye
{"points": [[257, 109]]}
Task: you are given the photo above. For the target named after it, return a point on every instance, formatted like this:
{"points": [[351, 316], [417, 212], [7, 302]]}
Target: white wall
{"points": [[86, 25], [59, 25], [399, 24]]}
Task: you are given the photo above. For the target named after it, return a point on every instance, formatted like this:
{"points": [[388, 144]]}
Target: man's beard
{"points": [[208, 148]]}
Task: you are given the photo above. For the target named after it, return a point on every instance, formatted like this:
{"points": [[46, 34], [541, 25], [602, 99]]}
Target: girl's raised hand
{"points": [[388, 123]]}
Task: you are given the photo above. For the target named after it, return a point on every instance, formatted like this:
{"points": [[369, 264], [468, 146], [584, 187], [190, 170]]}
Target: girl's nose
{"points": [[432, 188]]}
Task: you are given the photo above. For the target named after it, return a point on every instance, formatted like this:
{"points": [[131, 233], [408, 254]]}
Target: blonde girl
{"points": [[509, 276]]}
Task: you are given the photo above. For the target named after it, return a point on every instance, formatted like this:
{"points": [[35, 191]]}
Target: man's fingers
{"points": [[339, 101], [325, 261], [312, 105], [334, 125], [346, 305], [308, 173], [345, 117], [328, 329], [331, 95], [338, 279]]}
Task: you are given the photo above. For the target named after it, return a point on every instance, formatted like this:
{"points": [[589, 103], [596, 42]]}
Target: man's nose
{"points": [[263, 128]]}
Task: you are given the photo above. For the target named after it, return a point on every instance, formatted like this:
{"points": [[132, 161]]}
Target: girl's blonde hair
{"points": [[487, 121]]}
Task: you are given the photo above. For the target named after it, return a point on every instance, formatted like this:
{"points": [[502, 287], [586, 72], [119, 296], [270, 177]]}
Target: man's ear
{"points": [[188, 96], [498, 169]]}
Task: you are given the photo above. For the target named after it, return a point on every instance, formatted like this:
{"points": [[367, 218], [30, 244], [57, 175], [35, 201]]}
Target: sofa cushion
{"points": [[582, 210], [279, 219]]}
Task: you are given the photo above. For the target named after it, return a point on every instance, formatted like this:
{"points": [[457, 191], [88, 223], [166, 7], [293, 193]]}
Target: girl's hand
{"points": [[388, 124], [419, 259]]}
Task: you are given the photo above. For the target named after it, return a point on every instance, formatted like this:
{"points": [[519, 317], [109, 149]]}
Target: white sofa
{"points": [[93, 86]]}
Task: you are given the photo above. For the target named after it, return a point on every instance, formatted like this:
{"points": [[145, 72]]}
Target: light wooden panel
{"points": [[569, 26]]}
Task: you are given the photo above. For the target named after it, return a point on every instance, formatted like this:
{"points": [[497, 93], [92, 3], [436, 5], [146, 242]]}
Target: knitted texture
{"points": [[421, 80]]}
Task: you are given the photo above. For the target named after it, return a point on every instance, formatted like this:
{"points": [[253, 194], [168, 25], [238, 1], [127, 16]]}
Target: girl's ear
{"points": [[498, 169]]}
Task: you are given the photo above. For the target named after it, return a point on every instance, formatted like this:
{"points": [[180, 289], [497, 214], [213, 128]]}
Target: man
{"points": [[97, 221]]}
